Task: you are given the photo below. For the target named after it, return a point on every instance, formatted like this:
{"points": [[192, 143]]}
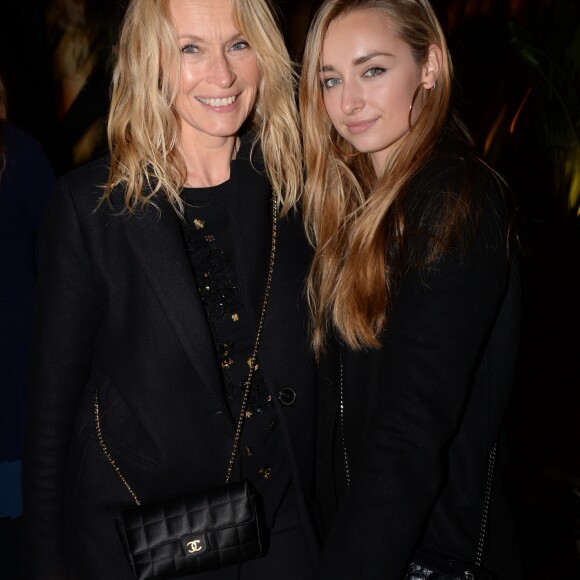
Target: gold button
{"points": [[265, 472]]}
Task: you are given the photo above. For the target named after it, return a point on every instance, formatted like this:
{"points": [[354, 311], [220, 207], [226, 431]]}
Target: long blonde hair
{"points": [[143, 132], [354, 219]]}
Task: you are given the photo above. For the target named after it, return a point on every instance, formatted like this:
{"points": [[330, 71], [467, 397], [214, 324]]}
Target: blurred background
{"points": [[518, 66]]}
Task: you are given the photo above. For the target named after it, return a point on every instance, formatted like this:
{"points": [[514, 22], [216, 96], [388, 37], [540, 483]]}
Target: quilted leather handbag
{"points": [[192, 533]]}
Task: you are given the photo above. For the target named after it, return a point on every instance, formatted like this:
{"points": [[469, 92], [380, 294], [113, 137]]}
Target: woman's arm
{"points": [[66, 315]]}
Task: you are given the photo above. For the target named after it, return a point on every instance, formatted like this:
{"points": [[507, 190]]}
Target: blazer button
{"points": [[287, 395]]}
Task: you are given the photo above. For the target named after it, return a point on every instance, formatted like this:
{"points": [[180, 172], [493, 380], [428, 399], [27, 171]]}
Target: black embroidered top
{"points": [[211, 249], [209, 239]]}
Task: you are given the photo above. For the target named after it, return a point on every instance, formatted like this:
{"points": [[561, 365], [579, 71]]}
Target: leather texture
{"points": [[204, 530], [430, 565]]}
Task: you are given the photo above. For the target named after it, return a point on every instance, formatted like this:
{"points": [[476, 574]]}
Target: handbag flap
{"points": [[149, 526]]}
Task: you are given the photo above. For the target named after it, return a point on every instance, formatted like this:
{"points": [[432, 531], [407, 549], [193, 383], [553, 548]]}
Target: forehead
{"points": [[202, 17], [361, 32]]}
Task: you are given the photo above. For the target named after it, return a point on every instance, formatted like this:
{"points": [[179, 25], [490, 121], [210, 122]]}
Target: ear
{"points": [[432, 66]]}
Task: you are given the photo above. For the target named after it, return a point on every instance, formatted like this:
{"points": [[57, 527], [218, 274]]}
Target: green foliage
{"points": [[546, 50]]}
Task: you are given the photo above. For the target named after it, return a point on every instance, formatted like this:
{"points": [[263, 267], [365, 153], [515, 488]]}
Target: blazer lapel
{"points": [[250, 219], [285, 339], [285, 326], [158, 243]]}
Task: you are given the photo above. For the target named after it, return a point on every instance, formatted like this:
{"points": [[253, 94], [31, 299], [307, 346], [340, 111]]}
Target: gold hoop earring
{"points": [[415, 94]]}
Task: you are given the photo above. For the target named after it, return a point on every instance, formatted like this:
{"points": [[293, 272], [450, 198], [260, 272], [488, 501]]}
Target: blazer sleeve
{"points": [[66, 318], [420, 379]]}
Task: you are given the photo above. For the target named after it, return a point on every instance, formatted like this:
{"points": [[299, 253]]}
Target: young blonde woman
{"points": [[414, 295], [153, 269]]}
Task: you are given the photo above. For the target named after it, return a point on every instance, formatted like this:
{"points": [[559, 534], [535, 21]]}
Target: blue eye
{"points": [[189, 49], [240, 45], [330, 83], [375, 71]]}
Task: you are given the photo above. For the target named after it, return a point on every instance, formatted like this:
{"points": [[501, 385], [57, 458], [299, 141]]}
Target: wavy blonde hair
{"points": [[143, 131], [354, 219]]}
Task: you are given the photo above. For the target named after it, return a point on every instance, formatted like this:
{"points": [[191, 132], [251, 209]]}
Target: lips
{"points": [[360, 126], [214, 102]]}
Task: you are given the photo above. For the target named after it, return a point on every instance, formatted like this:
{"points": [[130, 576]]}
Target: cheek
{"points": [[188, 78], [397, 101], [249, 70], [330, 104]]}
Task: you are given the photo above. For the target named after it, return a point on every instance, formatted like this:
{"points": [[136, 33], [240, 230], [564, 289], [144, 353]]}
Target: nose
{"points": [[221, 72], [352, 98]]}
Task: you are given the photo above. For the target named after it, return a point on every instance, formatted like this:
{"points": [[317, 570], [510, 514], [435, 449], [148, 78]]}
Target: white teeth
{"points": [[218, 102]]}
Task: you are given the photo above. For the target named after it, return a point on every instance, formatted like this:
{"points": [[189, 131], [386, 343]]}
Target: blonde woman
{"points": [[153, 272], [414, 296]]}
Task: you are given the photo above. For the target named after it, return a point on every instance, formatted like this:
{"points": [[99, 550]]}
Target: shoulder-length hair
{"points": [[143, 131], [354, 218]]}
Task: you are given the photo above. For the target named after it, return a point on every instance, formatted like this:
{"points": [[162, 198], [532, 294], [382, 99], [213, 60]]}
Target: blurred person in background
{"points": [[26, 182]]}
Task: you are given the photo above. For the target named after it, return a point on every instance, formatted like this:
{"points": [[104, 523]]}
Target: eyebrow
{"points": [[358, 61], [194, 38]]}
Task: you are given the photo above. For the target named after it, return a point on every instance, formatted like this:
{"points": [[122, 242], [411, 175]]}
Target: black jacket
{"points": [[423, 412], [119, 311]]}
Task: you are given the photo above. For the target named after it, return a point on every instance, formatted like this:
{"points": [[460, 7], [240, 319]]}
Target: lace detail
{"points": [[222, 302]]}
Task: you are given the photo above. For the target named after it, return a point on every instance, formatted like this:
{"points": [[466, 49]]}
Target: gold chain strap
{"points": [[247, 384], [257, 343]]}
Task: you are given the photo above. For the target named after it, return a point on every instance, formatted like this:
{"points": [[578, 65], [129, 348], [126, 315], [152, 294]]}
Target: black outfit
{"points": [[423, 411], [121, 309]]}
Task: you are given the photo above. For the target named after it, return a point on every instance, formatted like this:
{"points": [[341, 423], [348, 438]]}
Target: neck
{"points": [[209, 165]]}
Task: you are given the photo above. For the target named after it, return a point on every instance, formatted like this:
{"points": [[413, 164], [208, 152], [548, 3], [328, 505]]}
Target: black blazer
{"points": [[118, 310], [424, 410]]}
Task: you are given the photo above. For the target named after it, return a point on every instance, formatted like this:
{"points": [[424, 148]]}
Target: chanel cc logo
{"points": [[194, 546]]}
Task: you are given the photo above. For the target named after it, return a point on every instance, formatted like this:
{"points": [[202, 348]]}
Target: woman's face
{"points": [[368, 78], [219, 71]]}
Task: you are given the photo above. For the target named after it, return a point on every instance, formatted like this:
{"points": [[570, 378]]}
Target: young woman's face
{"points": [[368, 77], [219, 71]]}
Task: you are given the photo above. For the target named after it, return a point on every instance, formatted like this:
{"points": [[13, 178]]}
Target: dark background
{"points": [[518, 67]]}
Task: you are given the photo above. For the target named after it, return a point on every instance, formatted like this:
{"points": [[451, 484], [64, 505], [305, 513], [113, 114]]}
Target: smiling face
{"points": [[219, 71], [369, 77]]}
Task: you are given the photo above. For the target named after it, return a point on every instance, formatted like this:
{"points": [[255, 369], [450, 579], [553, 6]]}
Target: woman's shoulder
{"points": [[455, 171], [82, 187], [23, 148], [89, 176], [457, 198]]}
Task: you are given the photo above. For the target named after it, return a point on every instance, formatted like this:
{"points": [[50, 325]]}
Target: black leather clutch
{"points": [[192, 533]]}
